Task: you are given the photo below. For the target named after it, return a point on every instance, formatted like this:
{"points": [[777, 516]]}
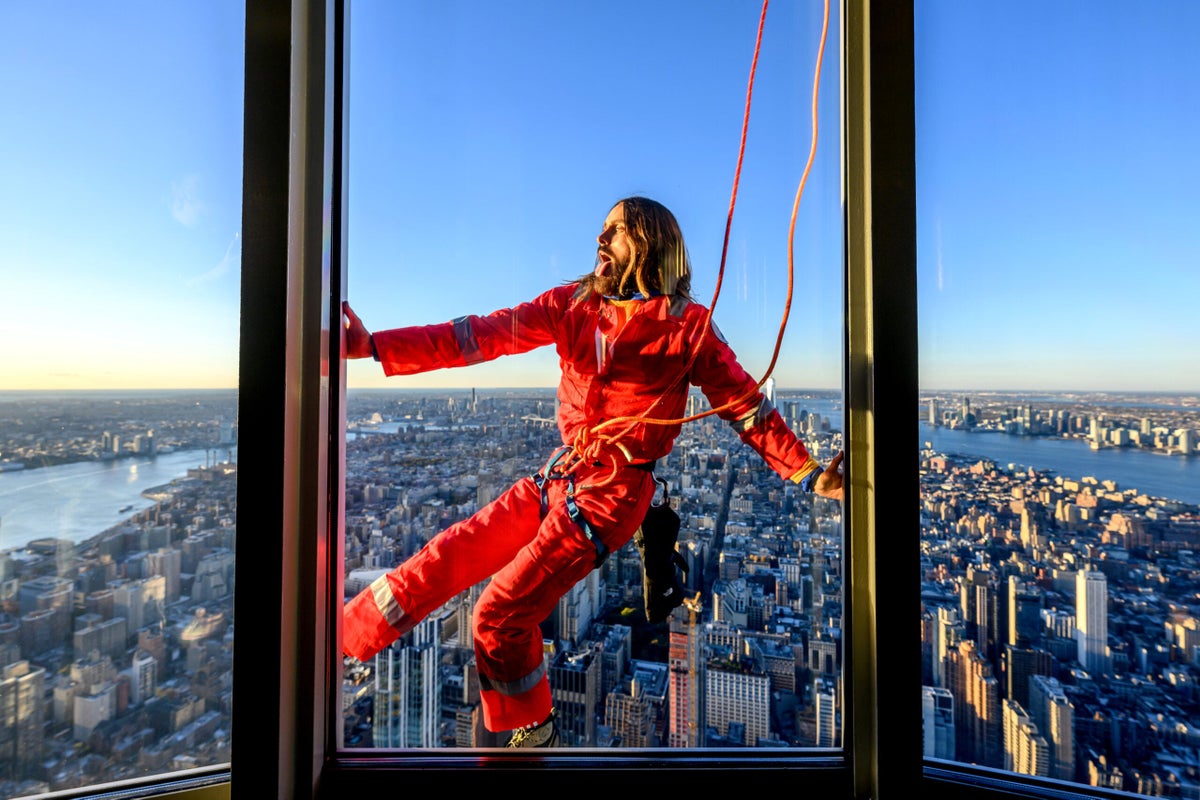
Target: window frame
{"points": [[292, 452]]}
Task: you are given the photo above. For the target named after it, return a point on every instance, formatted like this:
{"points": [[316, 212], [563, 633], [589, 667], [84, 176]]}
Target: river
{"points": [[1172, 476], [78, 501]]}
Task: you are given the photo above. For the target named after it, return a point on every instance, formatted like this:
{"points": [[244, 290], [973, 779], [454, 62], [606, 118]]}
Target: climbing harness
{"points": [[556, 469]]}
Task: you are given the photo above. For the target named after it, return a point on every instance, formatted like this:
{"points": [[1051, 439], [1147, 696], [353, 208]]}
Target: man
{"points": [[630, 343]]}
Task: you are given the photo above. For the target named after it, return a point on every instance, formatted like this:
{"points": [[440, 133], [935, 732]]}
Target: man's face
{"points": [[614, 250]]}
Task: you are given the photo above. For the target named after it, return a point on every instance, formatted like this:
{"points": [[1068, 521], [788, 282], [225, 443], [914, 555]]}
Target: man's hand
{"points": [[357, 338], [829, 482]]}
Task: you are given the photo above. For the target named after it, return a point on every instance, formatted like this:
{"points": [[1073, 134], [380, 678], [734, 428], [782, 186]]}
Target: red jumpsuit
{"points": [[618, 360]]}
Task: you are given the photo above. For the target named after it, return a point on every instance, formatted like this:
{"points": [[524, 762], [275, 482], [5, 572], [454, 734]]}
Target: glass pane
{"points": [[120, 218], [1060, 388], [487, 144]]}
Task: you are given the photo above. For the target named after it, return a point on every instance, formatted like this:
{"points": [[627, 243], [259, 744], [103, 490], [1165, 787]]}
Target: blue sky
{"points": [[1056, 164], [1063, 253]]}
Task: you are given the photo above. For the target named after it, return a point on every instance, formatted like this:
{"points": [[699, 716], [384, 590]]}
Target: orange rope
{"points": [[587, 444]]}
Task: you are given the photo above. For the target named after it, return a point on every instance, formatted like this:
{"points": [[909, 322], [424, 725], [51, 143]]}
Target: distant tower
{"points": [[22, 687], [933, 420], [575, 679], [1025, 604], [144, 671], [1054, 715], [630, 715], [685, 690], [734, 694], [1091, 620], [578, 607], [1026, 751], [769, 390], [825, 698], [948, 632], [937, 722], [408, 696], [977, 717], [1022, 662]]}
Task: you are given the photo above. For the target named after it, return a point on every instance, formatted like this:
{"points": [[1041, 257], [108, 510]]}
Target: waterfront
{"points": [[1171, 476], [77, 501]]}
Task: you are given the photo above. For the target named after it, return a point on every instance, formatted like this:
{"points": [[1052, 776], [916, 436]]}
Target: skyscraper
{"points": [[630, 715], [1054, 715], [408, 696], [1025, 604], [1025, 749], [937, 722], [735, 692], [977, 719], [1091, 620], [1022, 662], [687, 665], [575, 685], [21, 703], [827, 711]]}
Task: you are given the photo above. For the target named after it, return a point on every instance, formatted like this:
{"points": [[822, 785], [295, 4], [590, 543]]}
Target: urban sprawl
{"points": [[1060, 626]]}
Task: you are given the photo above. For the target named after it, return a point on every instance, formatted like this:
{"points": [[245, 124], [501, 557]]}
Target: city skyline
{"points": [[483, 157]]}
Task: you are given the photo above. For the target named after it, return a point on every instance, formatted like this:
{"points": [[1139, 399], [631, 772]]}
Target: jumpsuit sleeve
{"points": [[472, 339], [757, 422]]}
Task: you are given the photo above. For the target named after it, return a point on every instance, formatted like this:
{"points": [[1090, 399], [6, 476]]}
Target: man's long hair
{"points": [[660, 263]]}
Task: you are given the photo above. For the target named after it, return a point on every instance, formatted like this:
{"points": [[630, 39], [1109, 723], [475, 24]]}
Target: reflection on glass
{"points": [[118, 400], [486, 147], [1060, 393]]}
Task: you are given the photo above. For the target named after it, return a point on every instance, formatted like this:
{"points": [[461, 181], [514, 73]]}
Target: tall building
{"points": [[1025, 604], [1022, 662], [686, 689], [93, 706], [1025, 750], [408, 697], [575, 686], [1091, 620], [143, 673], [977, 732], [1054, 715], [937, 722], [977, 598], [731, 601], [629, 714], [614, 648], [948, 632], [828, 712], [578, 608], [168, 563], [736, 692], [22, 712]]}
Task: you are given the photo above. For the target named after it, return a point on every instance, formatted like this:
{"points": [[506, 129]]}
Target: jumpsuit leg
{"points": [[459, 557], [515, 691]]}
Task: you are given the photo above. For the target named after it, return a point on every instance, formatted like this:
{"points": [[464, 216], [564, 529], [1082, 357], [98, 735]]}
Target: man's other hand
{"points": [[357, 337], [829, 482]]}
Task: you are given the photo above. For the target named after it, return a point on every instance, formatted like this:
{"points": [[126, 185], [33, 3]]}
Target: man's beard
{"points": [[608, 282]]}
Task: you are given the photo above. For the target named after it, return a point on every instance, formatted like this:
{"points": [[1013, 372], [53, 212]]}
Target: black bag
{"points": [[662, 584]]}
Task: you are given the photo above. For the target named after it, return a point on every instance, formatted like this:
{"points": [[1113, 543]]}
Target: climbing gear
{"points": [[662, 585], [553, 472], [543, 735]]}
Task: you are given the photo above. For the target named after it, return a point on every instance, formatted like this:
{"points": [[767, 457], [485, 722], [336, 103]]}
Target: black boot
{"points": [[544, 735]]}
